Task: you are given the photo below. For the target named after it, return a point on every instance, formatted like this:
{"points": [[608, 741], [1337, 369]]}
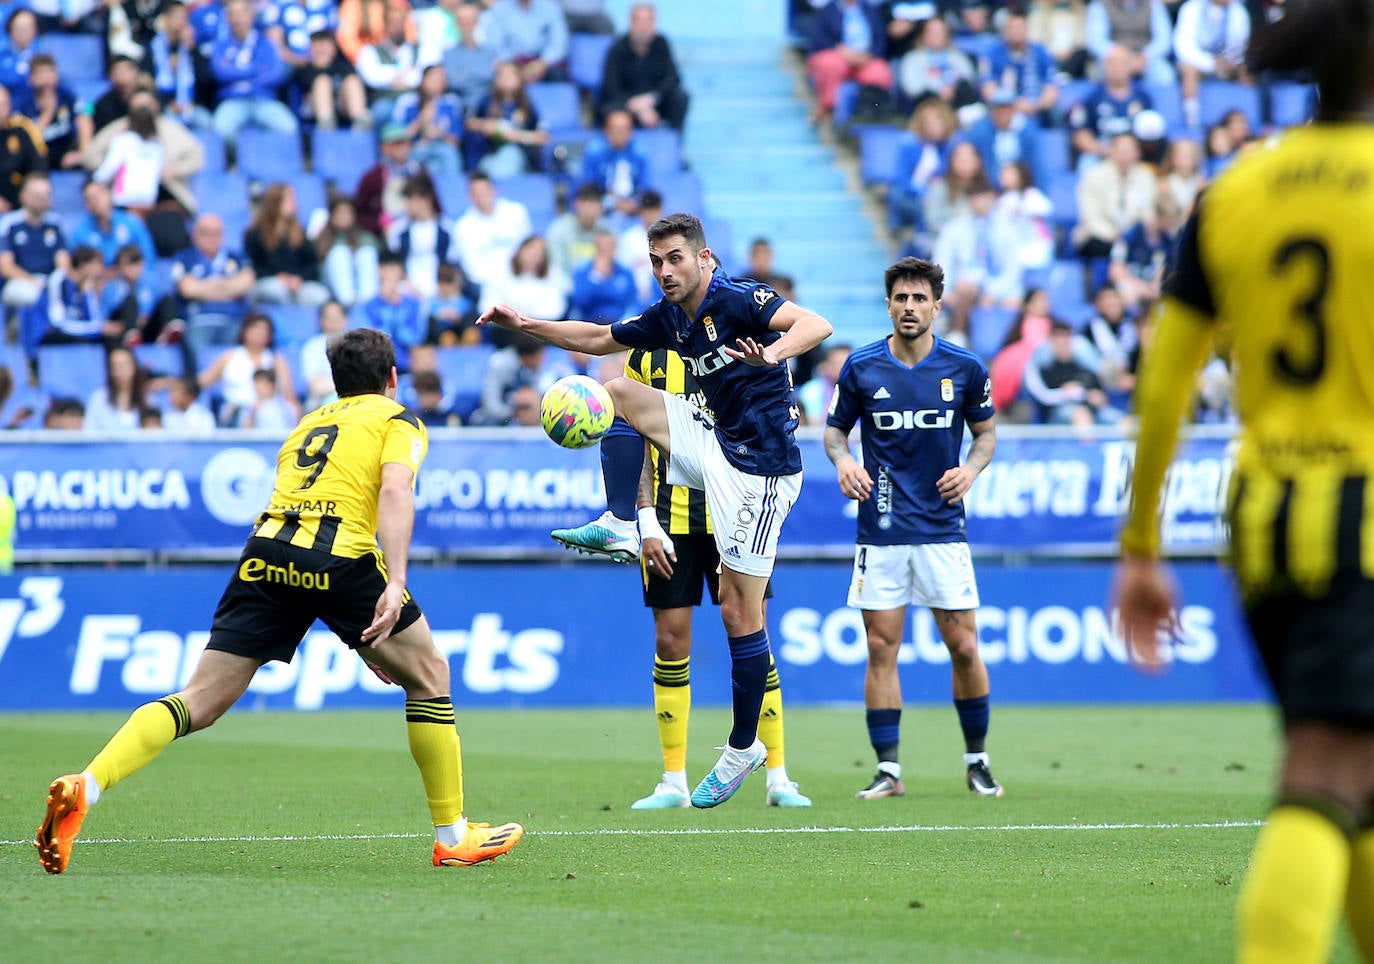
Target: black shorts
{"points": [[278, 591], [698, 564], [1319, 653]]}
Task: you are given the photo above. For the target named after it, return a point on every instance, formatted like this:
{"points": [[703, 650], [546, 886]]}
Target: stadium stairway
{"points": [[766, 173]]}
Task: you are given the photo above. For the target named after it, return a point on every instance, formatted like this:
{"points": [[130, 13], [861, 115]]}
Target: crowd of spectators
{"points": [[1051, 153], [171, 198]]}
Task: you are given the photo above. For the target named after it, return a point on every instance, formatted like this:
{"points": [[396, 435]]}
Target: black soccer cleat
{"points": [[980, 781]]}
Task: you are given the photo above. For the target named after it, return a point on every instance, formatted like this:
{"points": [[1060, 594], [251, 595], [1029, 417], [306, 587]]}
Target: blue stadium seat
{"points": [[557, 105], [342, 156], [1065, 288], [1063, 194], [1074, 93], [87, 91], [265, 155], [1168, 102], [463, 370], [66, 191], [293, 323], [720, 238], [214, 150], [1054, 151], [79, 56], [453, 194], [160, 276], [987, 328], [535, 191], [1291, 104], [71, 371], [681, 192], [879, 146], [311, 195], [587, 59], [846, 101], [977, 46], [662, 148], [222, 192], [162, 359], [1219, 98]]}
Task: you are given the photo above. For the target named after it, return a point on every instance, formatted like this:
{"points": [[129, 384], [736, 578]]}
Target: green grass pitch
{"points": [[1122, 837]]}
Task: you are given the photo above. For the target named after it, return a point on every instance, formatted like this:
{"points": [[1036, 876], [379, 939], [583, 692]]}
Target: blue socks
{"points": [[884, 732], [973, 720], [749, 663], [622, 458]]}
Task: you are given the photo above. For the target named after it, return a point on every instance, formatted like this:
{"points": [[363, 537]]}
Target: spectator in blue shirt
{"points": [[1109, 110], [395, 310], [68, 309], [293, 23], [1007, 136], [434, 119], [470, 63], [503, 136], [921, 159], [213, 283], [603, 290], [848, 42], [249, 70], [63, 124], [107, 228], [613, 163], [1026, 69], [129, 298], [17, 50], [181, 72], [32, 243], [532, 34]]}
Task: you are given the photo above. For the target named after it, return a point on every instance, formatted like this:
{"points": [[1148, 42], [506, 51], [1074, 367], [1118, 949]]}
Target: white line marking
{"points": [[688, 832]]}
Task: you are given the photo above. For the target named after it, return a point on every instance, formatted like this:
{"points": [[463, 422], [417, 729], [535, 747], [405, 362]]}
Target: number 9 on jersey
{"points": [[576, 411]]}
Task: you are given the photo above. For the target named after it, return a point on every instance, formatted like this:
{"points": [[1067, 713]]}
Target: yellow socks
{"points": [[673, 706], [434, 744], [770, 717], [143, 736], [1291, 900], [1359, 898]]}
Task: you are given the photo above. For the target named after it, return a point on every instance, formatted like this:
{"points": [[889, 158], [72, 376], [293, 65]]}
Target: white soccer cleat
{"points": [[606, 536]]}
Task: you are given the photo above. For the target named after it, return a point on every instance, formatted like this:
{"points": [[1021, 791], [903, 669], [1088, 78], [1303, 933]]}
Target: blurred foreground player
{"points": [[332, 545], [1283, 284]]}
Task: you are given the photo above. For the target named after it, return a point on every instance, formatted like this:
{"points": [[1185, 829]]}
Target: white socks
{"points": [[92, 788], [971, 758], [777, 777], [450, 833], [894, 770], [677, 779]]}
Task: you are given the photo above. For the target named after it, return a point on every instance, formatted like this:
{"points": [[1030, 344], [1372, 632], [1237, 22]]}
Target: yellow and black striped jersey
{"points": [[329, 473], [681, 511], [1276, 262]]}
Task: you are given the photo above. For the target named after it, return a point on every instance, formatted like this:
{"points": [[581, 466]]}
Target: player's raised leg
{"points": [[219, 680], [883, 698], [640, 413], [409, 658]]}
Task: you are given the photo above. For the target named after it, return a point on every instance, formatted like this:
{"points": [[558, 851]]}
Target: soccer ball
{"points": [[576, 411]]}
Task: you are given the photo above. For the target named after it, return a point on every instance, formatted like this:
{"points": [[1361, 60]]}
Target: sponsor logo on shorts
{"points": [[260, 570]]}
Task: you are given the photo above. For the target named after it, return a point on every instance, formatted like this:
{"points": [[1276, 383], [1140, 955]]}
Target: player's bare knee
{"points": [[882, 649]]}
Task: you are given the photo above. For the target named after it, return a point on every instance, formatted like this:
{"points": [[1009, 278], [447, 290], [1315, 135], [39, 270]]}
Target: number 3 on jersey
{"points": [[313, 454], [1305, 366]]}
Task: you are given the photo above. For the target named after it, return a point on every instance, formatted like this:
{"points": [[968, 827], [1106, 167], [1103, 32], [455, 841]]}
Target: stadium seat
{"points": [[1063, 194], [311, 195], [463, 371], [720, 238], [87, 91], [222, 192], [557, 105], [535, 191], [1054, 151], [1065, 288], [587, 60], [1075, 92], [162, 359], [987, 328], [268, 156], [71, 371], [342, 156], [66, 191], [214, 150], [846, 101], [1291, 104], [978, 46], [682, 192], [662, 148], [79, 56], [879, 146], [453, 194], [293, 323], [1219, 98], [1168, 102]]}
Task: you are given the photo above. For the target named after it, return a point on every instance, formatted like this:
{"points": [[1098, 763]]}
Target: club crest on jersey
{"points": [[946, 389], [709, 324]]}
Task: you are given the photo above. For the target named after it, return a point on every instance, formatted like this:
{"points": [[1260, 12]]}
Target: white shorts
{"points": [[937, 574], [746, 510]]}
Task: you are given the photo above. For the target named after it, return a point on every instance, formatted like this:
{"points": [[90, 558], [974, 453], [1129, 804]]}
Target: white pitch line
{"points": [[689, 832]]}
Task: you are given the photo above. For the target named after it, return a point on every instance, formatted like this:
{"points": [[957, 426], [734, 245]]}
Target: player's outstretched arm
{"points": [[583, 336], [395, 523], [803, 330], [854, 479]]}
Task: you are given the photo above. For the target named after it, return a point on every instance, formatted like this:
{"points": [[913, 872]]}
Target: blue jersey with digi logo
{"points": [[754, 407], [911, 426]]}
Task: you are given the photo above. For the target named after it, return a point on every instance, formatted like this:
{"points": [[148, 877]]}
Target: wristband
{"points": [[649, 526]]}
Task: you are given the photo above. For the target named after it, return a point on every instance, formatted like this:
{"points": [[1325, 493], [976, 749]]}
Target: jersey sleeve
{"points": [[978, 394], [1188, 281], [761, 305], [406, 441], [845, 402], [647, 330]]}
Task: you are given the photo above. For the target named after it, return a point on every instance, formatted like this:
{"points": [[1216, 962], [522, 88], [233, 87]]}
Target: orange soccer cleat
{"points": [[481, 842], [67, 808]]}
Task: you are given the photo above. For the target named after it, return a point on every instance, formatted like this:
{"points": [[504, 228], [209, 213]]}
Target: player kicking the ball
{"points": [[912, 394], [332, 545], [734, 337]]}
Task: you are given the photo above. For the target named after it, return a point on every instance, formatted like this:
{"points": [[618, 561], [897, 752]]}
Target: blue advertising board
{"points": [[577, 634], [498, 492]]}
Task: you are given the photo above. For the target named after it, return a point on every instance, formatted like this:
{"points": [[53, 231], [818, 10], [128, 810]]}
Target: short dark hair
{"points": [[687, 225], [1061, 327], [129, 254], [427, 381], [914, 269], [448, 274], [322, 35], [361, 360], [265, 375], [651, 199], [84, 254], [42, 60], [589, 192], [391, 258]]}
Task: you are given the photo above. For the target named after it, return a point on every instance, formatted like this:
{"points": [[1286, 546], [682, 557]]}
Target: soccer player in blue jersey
{"points": [[734, 337], [912, 394]]}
